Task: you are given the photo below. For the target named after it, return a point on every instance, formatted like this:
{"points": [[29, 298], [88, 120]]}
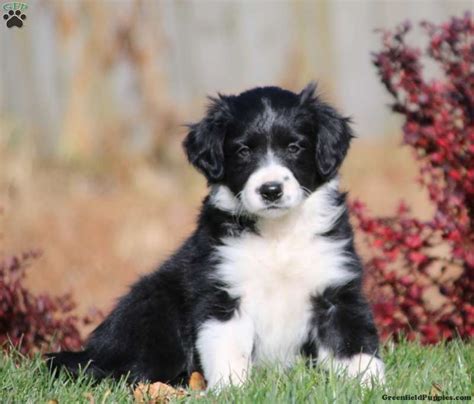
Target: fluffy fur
{"points": [[270, 272]]}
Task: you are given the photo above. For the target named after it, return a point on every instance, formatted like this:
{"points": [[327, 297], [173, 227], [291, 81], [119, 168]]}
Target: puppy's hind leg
{"points": [[74, 363], [225, 350], [346, 335]]}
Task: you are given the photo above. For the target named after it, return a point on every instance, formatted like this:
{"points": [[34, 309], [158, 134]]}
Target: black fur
{"points": [[151, 333]]}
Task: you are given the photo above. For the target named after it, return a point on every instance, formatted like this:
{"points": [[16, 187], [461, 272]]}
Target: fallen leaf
{"points": [[197, 382], [436, 389], [88, 395], [156, 393]]}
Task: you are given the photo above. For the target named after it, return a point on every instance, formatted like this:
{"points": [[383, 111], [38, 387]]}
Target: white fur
{"points": [[269, 114], [223, 198], [369, 368], [292, 196], [275, 274], [225, 349]]}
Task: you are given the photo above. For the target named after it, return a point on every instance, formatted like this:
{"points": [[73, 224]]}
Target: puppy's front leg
{"points": [[225, 350]]}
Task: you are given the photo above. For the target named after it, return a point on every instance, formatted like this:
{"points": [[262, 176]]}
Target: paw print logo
{"points": [[14, 18]]}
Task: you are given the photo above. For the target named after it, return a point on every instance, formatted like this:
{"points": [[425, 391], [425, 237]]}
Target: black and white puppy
{"points": [[270, 272]]}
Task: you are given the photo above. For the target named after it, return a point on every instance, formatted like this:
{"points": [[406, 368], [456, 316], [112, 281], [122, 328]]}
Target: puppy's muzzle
{"points": [[271, 191]]}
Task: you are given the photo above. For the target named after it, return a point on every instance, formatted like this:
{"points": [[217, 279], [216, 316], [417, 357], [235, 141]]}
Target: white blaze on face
{"points": [[253, 201]]}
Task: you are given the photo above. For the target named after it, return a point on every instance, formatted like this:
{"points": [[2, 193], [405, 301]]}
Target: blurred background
{"points": [[94, 95]]}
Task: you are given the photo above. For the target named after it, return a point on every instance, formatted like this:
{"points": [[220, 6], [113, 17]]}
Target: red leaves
{"points": [[416, 257], [455, 174], [32, 322], [413, 241], [439, 127]]}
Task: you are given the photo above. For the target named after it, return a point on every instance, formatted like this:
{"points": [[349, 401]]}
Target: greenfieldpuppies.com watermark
{"points": [[14, 14], [425, 397]]}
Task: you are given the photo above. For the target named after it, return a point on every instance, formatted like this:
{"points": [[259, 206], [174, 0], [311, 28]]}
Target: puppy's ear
{"points": [[204, 144], [333, 132]]}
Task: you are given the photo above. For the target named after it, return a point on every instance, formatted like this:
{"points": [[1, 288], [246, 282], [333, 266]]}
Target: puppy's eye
{"points": [[293, 148], [243, 152]]}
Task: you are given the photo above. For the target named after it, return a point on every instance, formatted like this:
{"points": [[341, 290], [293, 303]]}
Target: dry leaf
{"points": [[436, 389], [156, 393], [88, 395], [197, 382]]}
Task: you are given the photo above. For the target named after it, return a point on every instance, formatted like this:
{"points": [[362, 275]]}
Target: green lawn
{"points": [[411, 369]]}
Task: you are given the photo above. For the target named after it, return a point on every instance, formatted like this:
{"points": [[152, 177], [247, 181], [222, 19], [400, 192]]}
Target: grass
{"points": [[444, 369]]}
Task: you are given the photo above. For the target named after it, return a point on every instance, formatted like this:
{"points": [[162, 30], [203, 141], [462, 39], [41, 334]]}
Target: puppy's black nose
{"points": [[271, 191]]}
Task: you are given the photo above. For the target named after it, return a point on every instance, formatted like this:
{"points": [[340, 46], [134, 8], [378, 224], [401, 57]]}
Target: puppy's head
{"points": [[267, 148]]}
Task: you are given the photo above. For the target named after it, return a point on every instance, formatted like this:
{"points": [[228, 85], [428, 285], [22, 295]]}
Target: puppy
{"points": [[270, 272]]}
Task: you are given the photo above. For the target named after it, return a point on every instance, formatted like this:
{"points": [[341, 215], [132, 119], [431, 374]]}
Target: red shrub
{"points": [[32, 322], [421, 276]]}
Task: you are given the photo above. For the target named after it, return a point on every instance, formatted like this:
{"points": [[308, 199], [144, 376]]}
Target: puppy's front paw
{"points": [[225, 379]]}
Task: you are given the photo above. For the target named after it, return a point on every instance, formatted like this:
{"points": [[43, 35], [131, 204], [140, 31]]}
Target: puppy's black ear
{"points": [[204, 144], [333, 132]]}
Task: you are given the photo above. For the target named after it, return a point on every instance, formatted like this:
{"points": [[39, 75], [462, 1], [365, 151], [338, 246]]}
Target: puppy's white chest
{"points": [[274, 274]]}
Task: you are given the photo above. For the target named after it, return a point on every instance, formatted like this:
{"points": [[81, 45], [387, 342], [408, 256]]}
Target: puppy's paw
{"points": [[234, 378], [370, 369]]}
